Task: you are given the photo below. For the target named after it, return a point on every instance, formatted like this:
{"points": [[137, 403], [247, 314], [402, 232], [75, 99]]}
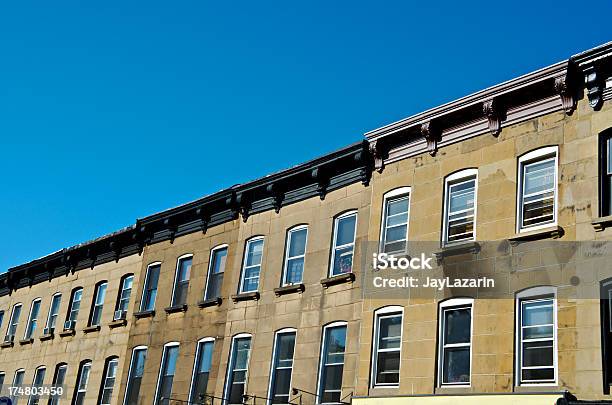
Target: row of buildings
{"points": [[266, 293]]}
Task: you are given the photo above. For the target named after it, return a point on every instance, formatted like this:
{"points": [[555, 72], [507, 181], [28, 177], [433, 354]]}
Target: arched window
{"points": [[455, 325], [395, 219]]}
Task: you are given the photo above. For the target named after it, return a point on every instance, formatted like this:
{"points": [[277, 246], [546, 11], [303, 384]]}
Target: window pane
{"points": [[58, 379], [54, 311], [538, 332], [295, 269], [346, 230], [390, 332], [283, 366], [167, 373], [202, 369], [33, 319], [215, 281], [332, 383], [254, 253], [538, 353], [457, 325], [539, 374], [297, 245], [219, 259], [539, 176], [184, 269], [537, 312], [387, 367], [151, 288], [456, 367], [343, 260], [461, 196], [397, 206], [135, 376], [396, 233], [332, 363], [538, 192], [237, 374]]}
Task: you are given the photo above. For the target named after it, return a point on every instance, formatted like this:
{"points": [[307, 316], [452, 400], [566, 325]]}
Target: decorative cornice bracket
{"points": [[492, 110], [595, 85], [378, 154], [565, 88], [432, 136], [244, 206], [204, 218], [322, 181], [278, 195]]}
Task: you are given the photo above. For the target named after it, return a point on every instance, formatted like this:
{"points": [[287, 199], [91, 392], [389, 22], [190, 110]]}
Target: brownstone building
{"points": [[266, 293]]}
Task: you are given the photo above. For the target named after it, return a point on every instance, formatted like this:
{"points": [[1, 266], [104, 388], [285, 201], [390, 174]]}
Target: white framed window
{"points": [[251, 266], [331, 363], [135, 373], [395, 218], [537, 194], [163, 392], [13, 322], [295, 255], [216, 269], [149, 291], [181, 280], [125, 293], [387, 346], [343, 245], [56, 300], [98, 304], [238, 369], [536, 336], [18, 379], [455, 342], [32, 319], [82, 382], [459, 222], [37, 382], [282, 366], [108, 382], [74, 307], [2, 376], [201, 370], [59, 378]]}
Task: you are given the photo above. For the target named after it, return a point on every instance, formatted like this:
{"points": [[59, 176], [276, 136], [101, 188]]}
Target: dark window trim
{"points": [[118, 299], [93, 302], [103, 379]]}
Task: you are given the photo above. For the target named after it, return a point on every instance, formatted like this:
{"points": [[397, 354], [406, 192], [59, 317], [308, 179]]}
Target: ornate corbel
{"points": [[278, 196], [244, 206], [378, 155], [595, 86], [322, 181], [91, 255], [363, 157], [116, 248], [564, 87], [68, 261], [204, 219], [171, 227], [432, 135], [232, 205], [492, 111]]}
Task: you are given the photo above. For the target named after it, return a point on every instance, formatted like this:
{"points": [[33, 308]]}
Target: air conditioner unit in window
{"points": [[68, 325], [48, 331], [120, 314], [9, 338]]}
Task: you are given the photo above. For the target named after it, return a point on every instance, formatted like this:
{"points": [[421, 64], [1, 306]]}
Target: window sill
{"points": [[601, 223], [24, 342], [289, 289], [6, 344], [176, 308], [144, 314], [249, 296], [339, 279], [457, 249], [67, 332], [47, 336], [552, 232], [117, 323], [92, 328], [211, 302]]}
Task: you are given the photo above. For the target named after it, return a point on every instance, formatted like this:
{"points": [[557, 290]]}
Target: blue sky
{"points": [[111, 111]]}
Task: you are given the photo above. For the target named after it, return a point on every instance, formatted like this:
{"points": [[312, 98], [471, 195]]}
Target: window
{"points": [[98, 304], [32, 319], [332, 363], [387, 346], [537, 329], [59, 378], [201, 370], [606, 333], [216, 268], [137, 365], [17, 382], [73, 309], [282, 366], [82, 380], [252, 265], [1, 318], [605, 174], [394, 232], [108, 382], [181, 280], [537, 189], [163, 392], [237, 371], [343, 243], [295, 252], [123, 299], [2, 375], [53, 313], [455, 350], [13, 323], [459, 207], [39, 378], [149, 292]]}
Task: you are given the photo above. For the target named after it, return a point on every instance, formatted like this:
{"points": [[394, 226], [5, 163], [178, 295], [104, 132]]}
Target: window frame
{"points": [[538, 155], [28, 334], [334, 245], [12, 321], [448, 304], [179, 260], [71, 306], [131, 370], [286, 256], [273, 368], [209, 272], [22, 372], [32, 397], [167, 346], [459, 177], [122, 288], [199, 343], [321, 359], [381, 313], [50, 314], [394, 194], [145, 285], [535, 294], [248, 242], [94, 305], [107, 363], [231, 368], [605, 175], [77, 389], [55, 400]]}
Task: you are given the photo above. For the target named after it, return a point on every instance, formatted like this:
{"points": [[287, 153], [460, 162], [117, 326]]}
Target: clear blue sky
{"points": [[113, 110]]}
